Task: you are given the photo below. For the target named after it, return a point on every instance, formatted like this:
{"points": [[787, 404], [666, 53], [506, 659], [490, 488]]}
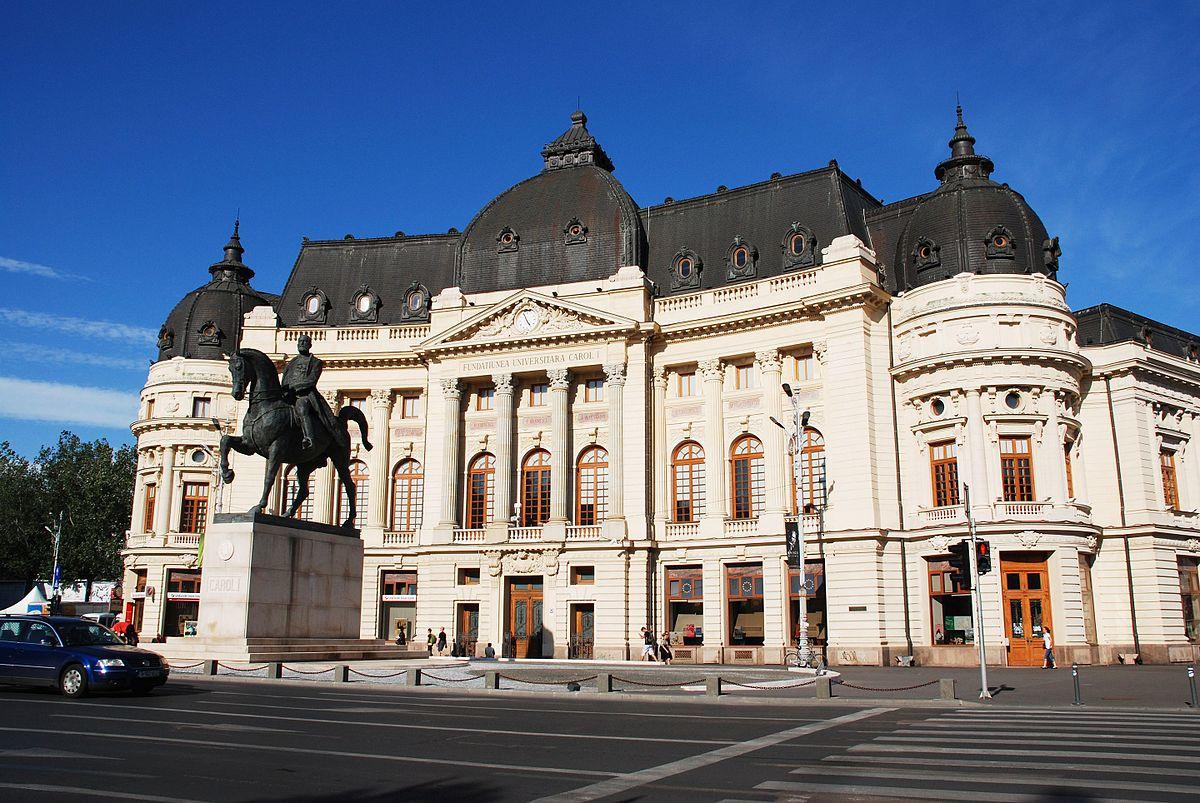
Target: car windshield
{"points": [[80, 634]]}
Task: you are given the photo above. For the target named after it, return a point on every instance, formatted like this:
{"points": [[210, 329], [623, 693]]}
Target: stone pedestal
{"points": [[271, 577]]}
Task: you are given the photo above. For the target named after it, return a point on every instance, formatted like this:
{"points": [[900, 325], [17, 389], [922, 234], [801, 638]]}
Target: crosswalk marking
{"points": [[988, 751], [985, 739], [914, 793], [1091, 769], [1009, 779]]}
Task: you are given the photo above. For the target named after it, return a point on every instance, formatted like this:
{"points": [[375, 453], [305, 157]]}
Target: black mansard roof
{"points": [[1104, 324]]}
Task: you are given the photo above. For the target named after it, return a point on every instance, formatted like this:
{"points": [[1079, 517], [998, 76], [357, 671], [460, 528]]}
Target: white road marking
{"points": [[983, 739], [1062, 736], [875, 747], [938, 755], [92, 792], [275, 748], [632, 780], [1006, 779], [228, 727], [941, 793]]}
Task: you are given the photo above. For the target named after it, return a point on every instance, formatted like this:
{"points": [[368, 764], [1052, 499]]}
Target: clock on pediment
{"points": [[528, 319]]}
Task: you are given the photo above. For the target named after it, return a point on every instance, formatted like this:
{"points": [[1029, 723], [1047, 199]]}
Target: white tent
{"points": [[35, 602]]}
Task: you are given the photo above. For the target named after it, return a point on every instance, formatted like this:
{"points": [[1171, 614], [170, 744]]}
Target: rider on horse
{"points": [[300, 387]]}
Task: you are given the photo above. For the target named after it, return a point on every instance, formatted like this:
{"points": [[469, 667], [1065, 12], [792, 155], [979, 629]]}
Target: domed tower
{"points": [[571, 222], [988, 387], [185, 405], [971, 224]]}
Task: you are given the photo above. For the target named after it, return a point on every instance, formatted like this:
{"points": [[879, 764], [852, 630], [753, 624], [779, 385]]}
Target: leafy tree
{"points": [[90, 483]]}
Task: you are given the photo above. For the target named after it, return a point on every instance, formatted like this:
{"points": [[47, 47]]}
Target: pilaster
{"points": [[377, 502], [771, 367], [712, 375], [451, 425], [503, 451], [560, 387], [614, 387]]}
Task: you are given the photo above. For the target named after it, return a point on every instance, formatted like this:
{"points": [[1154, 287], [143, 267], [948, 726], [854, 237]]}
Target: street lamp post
{"points": [[799, 420]]}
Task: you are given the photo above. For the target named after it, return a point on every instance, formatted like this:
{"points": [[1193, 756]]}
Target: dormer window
{"points": [[999, 243], [365, 307], [210, 334], [686, 266], [314, 307], [507, 240], [685, 270], [576, 232], [799, 248], [741, 260], [166, 337], [926, 254], [416, 303]]}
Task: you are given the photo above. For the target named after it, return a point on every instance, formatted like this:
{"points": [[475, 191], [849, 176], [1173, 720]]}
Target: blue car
{"points": [[75, 655]]}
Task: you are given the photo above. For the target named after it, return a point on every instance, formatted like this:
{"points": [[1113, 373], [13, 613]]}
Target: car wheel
{"points": [[73, 681]]}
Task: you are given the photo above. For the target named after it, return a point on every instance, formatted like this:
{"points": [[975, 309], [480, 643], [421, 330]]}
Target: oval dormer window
{"points": [[797, 244], [364, 303], [312, 304], [686, 266], [414, 301], [507, 238], [741, 256], [924, 251], [1000, 240], [575, 230]]}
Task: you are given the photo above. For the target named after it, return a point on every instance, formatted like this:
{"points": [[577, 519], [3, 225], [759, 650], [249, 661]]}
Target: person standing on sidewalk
{"points": [[1048, 643], [441, 641], [430, 640]]}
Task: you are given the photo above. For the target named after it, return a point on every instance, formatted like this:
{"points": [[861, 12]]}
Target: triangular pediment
{"points": [[529, 316]]}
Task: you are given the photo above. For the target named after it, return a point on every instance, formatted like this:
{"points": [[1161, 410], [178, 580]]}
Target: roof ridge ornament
{"points": [[963, 163], [232, 267], [575, 146]]}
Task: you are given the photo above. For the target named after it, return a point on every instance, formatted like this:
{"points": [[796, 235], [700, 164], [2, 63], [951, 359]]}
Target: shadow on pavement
{"points": [[434, 790]]}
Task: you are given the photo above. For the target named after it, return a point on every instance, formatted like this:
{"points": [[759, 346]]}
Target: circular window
{"points": [[1013, 400], [506, 237], [937, 406], [741, 257], [924, 252], [198, 456], [685, 267], [576, 230], [312, 304], [1000, 241], [414, 301], [364, 303], [797, 244]]}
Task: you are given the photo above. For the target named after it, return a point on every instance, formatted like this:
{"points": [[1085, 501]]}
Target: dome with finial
{"points": [[207, 323], [971, 224], [571, 222]]}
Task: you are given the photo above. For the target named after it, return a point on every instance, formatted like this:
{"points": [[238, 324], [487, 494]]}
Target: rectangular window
{"points": [[949, 606], [410, 405], [149, 408], [686, 384], [1016, 468], [485, 399], [744, 585], [583, 575], [1189, 592], [943, 464], [468, 577], [194, 514], [359, 402], [593, 390], [537, 394], [1170, 482], [805, 367], [148, 509], [685, 605], [745, 377], [398, 584], [1068, 446], [201, 405]]}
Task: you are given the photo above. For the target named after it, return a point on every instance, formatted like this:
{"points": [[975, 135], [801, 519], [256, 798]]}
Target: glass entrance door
{"points": [[1026, 608]]}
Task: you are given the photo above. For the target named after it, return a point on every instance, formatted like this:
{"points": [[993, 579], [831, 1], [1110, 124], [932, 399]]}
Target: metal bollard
{"points": [[275, 670], [1192, 683], [603, 682], [824, 688], [712, 686], [341, 674], [210, 667], [491, 680], [946, 690], [414, 677], [1075, 680]]}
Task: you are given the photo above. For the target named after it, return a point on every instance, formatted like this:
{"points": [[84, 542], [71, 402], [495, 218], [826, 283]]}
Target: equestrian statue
{"points": [[291, 423]]}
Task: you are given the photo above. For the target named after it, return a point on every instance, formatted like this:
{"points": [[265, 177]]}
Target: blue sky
{"points": [[134, 132]]}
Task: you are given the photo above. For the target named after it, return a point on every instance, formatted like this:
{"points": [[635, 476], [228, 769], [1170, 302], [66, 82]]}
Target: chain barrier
{"points": [[725, 682], [303, 672], [185, 666], [448, 680], [354, 671], [247, 669], [657, 685], [841, 682]]}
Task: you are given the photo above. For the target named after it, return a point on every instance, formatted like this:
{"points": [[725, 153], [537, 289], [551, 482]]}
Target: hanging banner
{"points": [[791, 530]]}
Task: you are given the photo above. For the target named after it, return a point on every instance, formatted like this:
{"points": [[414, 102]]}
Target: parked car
{"points": [[76, 655], [106, 619]]}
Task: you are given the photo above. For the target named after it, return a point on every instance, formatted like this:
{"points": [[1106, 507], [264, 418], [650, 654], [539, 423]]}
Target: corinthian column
{"points": [[503, 449], [380, 491], [560, 386], [164, 492], [771, 367], [614, 388], [712, 374], [451, 423]]}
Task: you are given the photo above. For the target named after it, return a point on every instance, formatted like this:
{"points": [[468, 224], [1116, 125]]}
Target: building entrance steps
{"points": [[291, 650]]}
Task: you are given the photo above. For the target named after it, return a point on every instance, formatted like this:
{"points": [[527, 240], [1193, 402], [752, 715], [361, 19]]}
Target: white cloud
{"points": [[32, 351], [108, 330], [27, 400], [34, 269]]}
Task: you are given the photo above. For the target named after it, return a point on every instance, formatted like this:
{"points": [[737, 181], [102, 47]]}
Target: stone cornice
{"points": [[1042, 357]]}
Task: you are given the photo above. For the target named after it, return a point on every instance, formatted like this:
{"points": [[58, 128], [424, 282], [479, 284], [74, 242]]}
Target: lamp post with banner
{"points": [[794, 530]]}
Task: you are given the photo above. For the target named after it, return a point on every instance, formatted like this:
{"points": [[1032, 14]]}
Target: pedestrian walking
{"points": [[401, 637], [1048, 643], [441, 641], [664, 647], [131, 636], [430, 640], [648, 645]]}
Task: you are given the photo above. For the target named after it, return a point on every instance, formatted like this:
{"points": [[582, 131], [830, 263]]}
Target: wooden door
{"points": [[525, 617], [467, 632], [1026, 608], [583, 631]]}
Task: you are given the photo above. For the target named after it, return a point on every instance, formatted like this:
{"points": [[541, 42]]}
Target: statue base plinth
{"points": [[267, 577]]}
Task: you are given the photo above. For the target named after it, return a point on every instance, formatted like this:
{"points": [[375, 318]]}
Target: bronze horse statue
{"points": [[271, 428]]}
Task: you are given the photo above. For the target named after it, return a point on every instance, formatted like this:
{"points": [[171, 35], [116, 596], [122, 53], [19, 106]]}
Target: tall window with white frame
{"points": [[1016, 468], [1170, 480], [591, 483], [535, 488], [408, 493], [943, 469], [747, 477], [481, 491], [687, 483], [193, 516], [685, 384], [151, 495]]}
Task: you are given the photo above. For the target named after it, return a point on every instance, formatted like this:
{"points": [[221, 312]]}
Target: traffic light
{"points": [[983, 557], [960, 563]]}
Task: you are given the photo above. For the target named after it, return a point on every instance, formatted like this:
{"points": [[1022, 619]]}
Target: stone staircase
{"points": [[277, 649]]}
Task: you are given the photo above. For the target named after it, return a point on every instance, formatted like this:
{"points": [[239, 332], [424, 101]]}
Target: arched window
{"points": [[808, 492], [687, 482], [362, 488], [291, 487], [481, 491], [408, 491], [535, 488], [591, 480], [747, 477]]}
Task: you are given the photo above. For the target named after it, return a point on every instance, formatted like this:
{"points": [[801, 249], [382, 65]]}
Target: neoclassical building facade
{"points": [[585, 420]]}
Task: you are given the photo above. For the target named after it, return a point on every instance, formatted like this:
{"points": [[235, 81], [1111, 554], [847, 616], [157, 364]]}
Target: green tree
{"points": [[90, 483]]}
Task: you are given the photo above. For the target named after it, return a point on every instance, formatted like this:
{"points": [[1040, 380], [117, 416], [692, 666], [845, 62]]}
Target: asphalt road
{"points": [[221, 740]]}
